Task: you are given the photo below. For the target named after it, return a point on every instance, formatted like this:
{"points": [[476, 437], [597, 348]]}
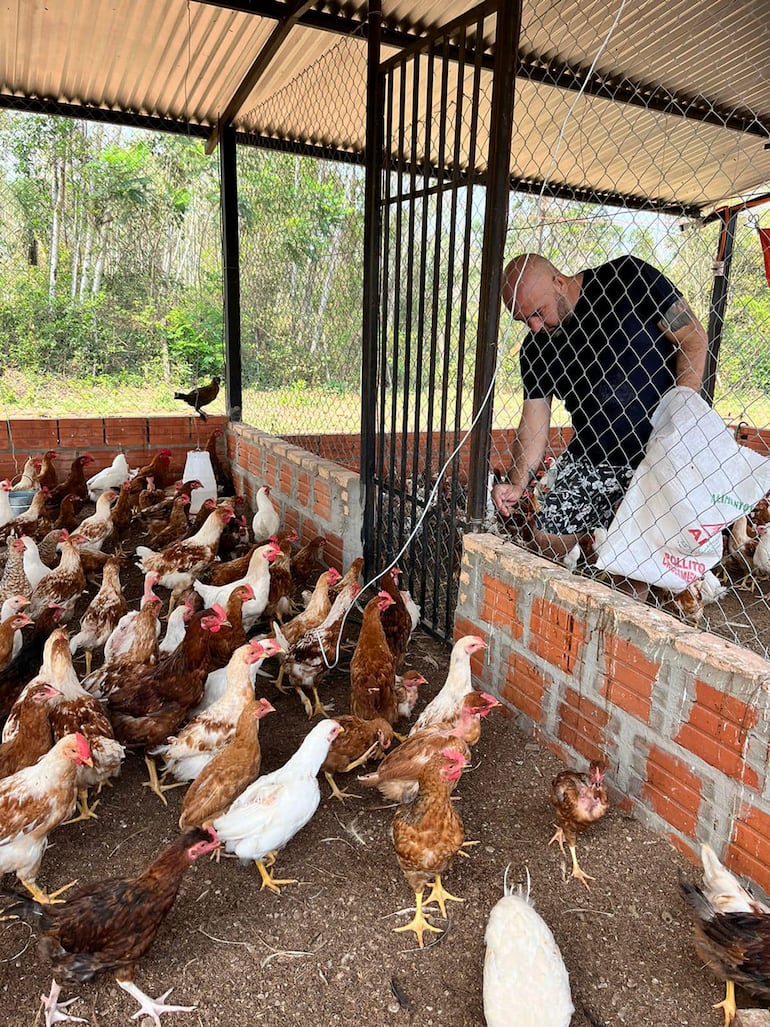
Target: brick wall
{"points": [[315, 496], [138, 437], [681, 714]]}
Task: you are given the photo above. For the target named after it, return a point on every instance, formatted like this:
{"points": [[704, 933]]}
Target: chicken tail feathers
{"points": [[699, 906]]}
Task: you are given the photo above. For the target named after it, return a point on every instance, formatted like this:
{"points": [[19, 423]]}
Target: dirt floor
{"points": [[324, 952]]}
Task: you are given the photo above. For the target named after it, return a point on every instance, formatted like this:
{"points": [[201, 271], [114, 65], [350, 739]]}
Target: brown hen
{"points": [[579, 800]]}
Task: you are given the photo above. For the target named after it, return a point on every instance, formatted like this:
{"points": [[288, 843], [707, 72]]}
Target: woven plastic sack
{"points": [[693, 481]]}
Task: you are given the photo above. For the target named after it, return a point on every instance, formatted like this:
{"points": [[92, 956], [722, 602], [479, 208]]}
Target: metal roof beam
{"points": [[104, 115], [292, 15]]}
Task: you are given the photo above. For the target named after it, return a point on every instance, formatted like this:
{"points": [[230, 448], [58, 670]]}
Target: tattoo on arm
{"points": [[678, 315]]}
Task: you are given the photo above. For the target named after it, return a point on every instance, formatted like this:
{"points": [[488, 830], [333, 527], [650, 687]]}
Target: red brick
{"points": [[524, 686], [687, 850], [630, 677], [717, 730], [269, 472], [465, 627], [673, 790], [81, 432], [498, 606], [556, 635], [163, 431], [581, 724], [286, 480], [322, 502], [751, 834], [303, 488], [42, 434], [126, 431]]}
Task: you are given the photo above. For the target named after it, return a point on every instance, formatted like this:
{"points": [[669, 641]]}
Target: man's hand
{"points": [[504, 495]]}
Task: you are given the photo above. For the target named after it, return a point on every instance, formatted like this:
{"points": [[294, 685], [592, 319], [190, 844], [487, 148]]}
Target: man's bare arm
{"points": [[528, 450], [682, 327]]}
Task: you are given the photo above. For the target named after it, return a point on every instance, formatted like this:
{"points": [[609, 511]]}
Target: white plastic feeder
{"points": [[198, 465]]}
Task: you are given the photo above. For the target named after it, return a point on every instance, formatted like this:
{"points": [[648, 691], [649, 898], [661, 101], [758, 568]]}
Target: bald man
{"points": [[608, 342]]}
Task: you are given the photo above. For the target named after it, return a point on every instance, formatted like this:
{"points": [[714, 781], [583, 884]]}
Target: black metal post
{"points": [[495, 226], [371, 284], [729, 218], [231, 278]]}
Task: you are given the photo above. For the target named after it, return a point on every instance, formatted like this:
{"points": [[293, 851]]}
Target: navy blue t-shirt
{"points": [[610, 363]]}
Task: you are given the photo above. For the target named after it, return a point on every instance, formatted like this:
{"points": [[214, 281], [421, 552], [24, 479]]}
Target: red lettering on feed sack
{"points": [[705, 532], [685, 567]]}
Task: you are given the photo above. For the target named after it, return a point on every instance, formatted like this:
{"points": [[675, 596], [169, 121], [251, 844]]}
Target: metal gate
{"points": [[428, 206]]}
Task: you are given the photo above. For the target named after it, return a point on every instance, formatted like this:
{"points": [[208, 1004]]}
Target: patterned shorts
{"points": [[584, 496]]}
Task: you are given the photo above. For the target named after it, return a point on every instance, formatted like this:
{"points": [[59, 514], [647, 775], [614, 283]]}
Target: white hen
{"points": [[266, 520], [525, 980], [111, 477], [723, 890], [274, 808], [257, 575], [448, 703]]}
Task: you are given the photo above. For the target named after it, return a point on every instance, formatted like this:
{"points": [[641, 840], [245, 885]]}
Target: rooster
{"points": [[109, 925], [732, 931], [229, 773], [33, 802], [201, 397], [274, 808], [579, 800], [180, 563], [447, 704], [525, 980], [427, 834]]}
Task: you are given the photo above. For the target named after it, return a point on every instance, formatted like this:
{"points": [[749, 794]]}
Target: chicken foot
{"points": [[154, 783], [53, 1008], [268, 881], [418, 923], [85, 812], [577, 870], [43, 897], [152, 1007], [727, 1005], [341, 795], [440, 895], [319, 707], [363, 758]]}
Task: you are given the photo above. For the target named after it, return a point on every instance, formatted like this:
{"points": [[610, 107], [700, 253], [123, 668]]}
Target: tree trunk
{"points": [[57, 201]]}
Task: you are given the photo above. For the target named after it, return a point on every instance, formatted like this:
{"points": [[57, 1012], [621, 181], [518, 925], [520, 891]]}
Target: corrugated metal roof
{"points": [[169, 59]]}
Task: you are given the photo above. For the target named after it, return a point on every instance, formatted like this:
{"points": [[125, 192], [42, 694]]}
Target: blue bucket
{"points": [[21, 501]]}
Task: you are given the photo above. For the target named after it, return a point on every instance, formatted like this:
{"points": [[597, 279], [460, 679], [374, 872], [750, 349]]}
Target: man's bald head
{"points": [[536, 292]]}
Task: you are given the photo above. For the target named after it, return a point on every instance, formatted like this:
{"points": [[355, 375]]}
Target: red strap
{"points": [[764, 240]]}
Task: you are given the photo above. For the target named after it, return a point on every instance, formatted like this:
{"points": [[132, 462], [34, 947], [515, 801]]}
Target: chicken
{"points": [[159, 468], [373, 667], [28, 477], [74, 483], [10, 607], [446, 705], [10, 637], [306, 565], [141, 650], [64, 585], [176, 626], [307, 660], [201, 397], [110, 924], [26, 664], [359, 741], [257, 575], [761, 559], [111, 477], [34, 801], [407, 692], [228, 773], [34, 737], [47, 476], [177, 527], [102, 615], [34, 568], [227, 640], [265, 817], [740, 545], [396, 620], [221, 468], [427, 834], [351, 575], [525, 980], [121, 516], [732, 931], [96, 529], [398, 775], [121, 637], [579, 800], [186, 755], [266, 520], [6, 512], [14, 580], [281, 585], [180, 563], [69, 510], [315, 611]]}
